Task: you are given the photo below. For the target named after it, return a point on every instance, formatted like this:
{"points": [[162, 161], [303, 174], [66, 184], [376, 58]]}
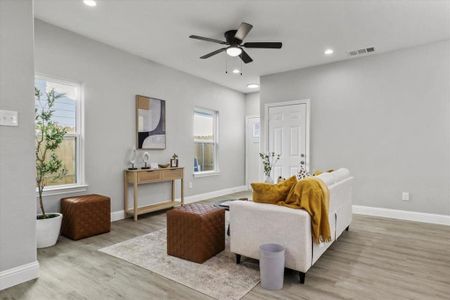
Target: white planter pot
{"points": [[268, 179], [47, 230]]}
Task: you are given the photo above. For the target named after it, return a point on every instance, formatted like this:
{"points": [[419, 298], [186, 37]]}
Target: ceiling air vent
{"points": [[362, 51]]}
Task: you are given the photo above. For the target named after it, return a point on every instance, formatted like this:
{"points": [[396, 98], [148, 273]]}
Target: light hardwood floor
{"points": [[377, 259]]}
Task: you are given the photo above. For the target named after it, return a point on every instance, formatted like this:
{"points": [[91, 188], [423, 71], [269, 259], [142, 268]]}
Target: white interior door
{"points": [[288, 135], [252, 160]]}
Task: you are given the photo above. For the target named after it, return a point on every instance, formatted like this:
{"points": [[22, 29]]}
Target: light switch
{"points": [[405, 196], [9, 118]]}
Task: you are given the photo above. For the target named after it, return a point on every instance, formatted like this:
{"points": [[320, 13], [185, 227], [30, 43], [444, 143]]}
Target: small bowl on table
{"points": [[163, 166]]}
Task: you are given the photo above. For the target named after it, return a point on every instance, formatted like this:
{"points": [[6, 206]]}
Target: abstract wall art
{"points": [[150, 123]]}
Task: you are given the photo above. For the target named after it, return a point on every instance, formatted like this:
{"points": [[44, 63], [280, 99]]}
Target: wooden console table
{"points": [[147, 176]]}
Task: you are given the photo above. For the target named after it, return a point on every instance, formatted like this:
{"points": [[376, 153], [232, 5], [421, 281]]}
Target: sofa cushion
{"points": [[272, 193]]}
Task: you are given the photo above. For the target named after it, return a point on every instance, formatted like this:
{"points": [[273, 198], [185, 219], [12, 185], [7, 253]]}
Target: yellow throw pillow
{"points": [[272, 193], [317, 173]]}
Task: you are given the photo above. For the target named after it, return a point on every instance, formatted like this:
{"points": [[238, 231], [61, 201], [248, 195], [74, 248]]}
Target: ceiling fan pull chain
{"points": [[226, 64], [241, 67]]}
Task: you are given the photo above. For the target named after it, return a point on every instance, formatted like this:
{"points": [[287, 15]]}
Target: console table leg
{"points": [[173, 190], [182, 191], [135, 194], [125, 193]]}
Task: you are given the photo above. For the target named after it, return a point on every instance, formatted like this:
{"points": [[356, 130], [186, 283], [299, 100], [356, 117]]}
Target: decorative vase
{"points": [[268, 179], [146, 159], [47, 230], [132, 159]]}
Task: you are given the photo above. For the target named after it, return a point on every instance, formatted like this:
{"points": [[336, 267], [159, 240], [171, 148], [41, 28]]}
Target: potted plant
{"points": [[49, 137], [269, 160]]}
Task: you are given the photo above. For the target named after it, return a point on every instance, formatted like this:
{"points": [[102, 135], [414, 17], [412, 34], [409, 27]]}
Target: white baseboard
{"points": [[402, 215], [120, 215], [214, 194], [20, 274], [117, 215]]}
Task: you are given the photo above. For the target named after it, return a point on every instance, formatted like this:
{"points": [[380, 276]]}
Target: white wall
{"points": [[252, 104], [111, 78], [385, 117], [17, 169]]}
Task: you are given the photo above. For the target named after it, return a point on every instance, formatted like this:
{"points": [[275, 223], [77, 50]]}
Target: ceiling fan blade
{"points": [[271, 45], [197, 37], [245, 57], [243, 30], [213, 53]]}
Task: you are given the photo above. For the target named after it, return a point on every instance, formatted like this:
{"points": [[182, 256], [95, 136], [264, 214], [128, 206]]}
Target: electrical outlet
{"points": [[190, 184], [9, 118], [405, 196]]}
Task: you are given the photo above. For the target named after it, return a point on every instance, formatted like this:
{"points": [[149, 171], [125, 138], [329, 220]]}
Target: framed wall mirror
{"points": [[150, 123]]}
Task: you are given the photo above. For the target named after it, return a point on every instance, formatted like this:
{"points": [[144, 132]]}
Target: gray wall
{"points": [[252, 104], [111, 79], [385, 117], [17, 169]]}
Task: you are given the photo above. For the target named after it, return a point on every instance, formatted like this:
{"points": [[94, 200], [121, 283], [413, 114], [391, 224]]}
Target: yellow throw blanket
{"points": [[311, 194]]}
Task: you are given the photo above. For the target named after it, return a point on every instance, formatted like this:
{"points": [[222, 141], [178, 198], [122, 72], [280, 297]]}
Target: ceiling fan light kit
{"points": [[234, 51], [234, 39]]}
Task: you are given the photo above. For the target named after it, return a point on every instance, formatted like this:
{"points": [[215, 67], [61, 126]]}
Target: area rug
{"points": [[219, 277]]}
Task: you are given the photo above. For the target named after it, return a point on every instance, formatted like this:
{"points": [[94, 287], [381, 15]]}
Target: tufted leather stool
{"points": [[85, 216], [195, 232]]}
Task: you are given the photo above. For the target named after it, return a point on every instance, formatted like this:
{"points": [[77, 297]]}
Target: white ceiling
{"points": [[159, 30]]}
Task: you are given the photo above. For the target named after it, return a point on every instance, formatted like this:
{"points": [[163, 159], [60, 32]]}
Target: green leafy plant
{"points": [[49, 137], [269, 160]]}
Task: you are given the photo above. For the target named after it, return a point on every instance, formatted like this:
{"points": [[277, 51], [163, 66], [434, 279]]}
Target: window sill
{"points": [[64, 189], [206, 174]]}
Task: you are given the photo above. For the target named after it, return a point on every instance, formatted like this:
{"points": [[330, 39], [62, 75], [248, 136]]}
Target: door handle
{"points": [[302, 155]]}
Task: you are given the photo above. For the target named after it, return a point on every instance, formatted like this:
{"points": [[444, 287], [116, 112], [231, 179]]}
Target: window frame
{"points": [[215, 115], [80, 184]]}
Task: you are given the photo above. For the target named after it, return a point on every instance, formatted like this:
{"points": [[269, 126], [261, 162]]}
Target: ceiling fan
{"points": [[234, 39]]}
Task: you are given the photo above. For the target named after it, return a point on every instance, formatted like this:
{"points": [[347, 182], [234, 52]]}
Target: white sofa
{"points": [[253, 224]]}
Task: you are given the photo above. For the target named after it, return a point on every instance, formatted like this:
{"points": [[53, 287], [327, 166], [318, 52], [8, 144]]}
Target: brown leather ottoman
{"points": [[85, 216], [195, 232]]}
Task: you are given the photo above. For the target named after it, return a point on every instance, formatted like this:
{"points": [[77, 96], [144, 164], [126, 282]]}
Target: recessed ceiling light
{"points": [[90, 3], [234, 51], [253, 85], [236, 71], [328, 51]]}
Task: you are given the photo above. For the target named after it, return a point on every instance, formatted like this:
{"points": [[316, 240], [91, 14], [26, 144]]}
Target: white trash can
{"points": [[271, 266]]}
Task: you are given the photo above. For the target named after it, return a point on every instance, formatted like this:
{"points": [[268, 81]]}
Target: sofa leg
{"points": [[302, 277], [348, 227], [238, 259]]}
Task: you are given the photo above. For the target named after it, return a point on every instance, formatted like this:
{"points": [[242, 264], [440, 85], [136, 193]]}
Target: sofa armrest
{"points": [[253, 224]]}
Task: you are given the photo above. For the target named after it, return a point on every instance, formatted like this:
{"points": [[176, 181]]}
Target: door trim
{"points": [[307, 102], [247, 184]]}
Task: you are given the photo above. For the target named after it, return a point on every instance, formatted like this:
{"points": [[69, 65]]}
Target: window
{"points": [[67, 114], [205, 141]]}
